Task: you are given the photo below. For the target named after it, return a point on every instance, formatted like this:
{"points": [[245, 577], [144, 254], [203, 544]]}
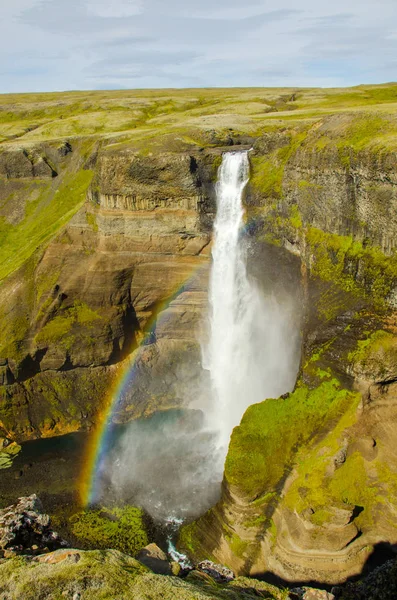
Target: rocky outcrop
{"points": [[25, 529], [9, 450], [21, 163]]}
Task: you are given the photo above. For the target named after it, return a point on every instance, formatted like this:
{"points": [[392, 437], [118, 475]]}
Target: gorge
{"points": [[106, 241]]}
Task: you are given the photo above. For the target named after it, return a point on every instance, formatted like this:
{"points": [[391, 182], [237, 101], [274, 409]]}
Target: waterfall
{"points": [[171, 463], [246, 353]]}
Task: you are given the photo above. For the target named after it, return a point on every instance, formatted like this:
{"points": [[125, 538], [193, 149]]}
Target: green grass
{"points": [[38, 117], [262, 447], [43, 219], [119, 528], [61, 326]]}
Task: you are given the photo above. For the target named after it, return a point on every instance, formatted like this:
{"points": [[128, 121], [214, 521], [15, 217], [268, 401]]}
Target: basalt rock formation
{"points": [[102, 233]]}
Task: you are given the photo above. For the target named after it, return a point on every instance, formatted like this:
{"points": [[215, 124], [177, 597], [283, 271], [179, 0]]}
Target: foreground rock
{"points": [[109, 574], [308, 593], [24, 528], [155, 559], [219, 573]]}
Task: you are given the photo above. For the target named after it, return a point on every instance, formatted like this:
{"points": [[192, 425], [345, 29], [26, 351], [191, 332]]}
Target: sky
{"points": [[55, 45]]}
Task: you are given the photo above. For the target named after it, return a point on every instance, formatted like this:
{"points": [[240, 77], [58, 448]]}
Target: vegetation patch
{"points": [[43, 218], [61, 325], [123, 529], [264, 445], [337, 259]]}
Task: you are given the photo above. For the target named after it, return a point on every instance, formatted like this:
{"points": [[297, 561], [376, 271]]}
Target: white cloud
{"points": [[79, 44], [114, 9]]}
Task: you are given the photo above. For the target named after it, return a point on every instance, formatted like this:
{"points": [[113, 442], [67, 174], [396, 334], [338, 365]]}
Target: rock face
{"points": [[137, 249]]}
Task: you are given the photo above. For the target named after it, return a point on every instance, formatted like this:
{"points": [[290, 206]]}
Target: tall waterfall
{"points": [[247, 353], [172, 462]]}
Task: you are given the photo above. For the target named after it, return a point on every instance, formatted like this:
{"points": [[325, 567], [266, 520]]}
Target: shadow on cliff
{"points": [[381, 553]]}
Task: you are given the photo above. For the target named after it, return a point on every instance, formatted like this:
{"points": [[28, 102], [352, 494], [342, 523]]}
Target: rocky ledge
{"points": [[37, 563]]}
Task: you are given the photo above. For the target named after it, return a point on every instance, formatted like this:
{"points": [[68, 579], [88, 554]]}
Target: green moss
{"points": [[55, 329], [267, 171], [379, 340], [91, 220], [7, 455], [295, 218], [45, 282], [119, 528], [262, 448], [273, 531], [237, 545], [44, 217], [333, 258], [187, 538], [61, 325], [266, 176], [321, 516]]}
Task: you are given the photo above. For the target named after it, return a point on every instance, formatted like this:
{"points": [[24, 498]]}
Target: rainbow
{"points": [[100, 436]]}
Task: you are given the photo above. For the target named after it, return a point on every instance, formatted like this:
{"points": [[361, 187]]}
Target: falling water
{"points": [[172, 462], [248, 353]]}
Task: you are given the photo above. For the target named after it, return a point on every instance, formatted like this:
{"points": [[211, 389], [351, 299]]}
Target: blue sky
{"points": [[48, 45]]}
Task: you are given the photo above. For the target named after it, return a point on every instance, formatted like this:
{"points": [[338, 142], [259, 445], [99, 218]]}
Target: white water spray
{"points": [[249, 353]]}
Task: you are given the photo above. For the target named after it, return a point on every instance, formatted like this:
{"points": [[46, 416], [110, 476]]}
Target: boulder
{"points": [[25, 529], [155, 559], [220, 573]]}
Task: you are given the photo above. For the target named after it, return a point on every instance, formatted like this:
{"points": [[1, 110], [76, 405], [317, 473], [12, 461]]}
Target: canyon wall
{"points": [[137, 245], [310, 484]]}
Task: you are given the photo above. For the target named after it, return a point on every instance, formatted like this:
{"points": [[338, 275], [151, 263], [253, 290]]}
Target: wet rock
{"points": [[220, 573], [24, 528], [155, 559]]}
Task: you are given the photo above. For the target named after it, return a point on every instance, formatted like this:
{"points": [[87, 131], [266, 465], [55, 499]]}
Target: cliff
{"points": [[106, 211]]}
